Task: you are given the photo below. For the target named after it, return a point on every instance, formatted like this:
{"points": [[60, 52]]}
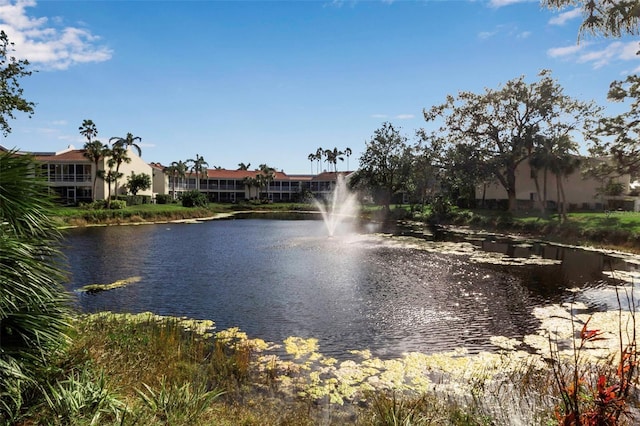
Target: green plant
{"points": [[440, 208], [178, 405], [33, 306], [391, 410], [163, 199], [613, 188], [94, 205], [118, 204], [82, 398], [194, 199], [596, 397]]}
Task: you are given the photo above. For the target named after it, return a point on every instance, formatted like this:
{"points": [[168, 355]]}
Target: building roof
{"points": [[75, 155], [281, 176], [157, 166], [239, 174]]}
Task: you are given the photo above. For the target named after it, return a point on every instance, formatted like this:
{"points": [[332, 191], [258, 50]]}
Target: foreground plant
{"points": [[33, 303], [172, 404], [597, 395]]}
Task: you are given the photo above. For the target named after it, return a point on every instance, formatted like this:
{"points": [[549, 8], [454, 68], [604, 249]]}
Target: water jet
{"points": [[340, 205]]}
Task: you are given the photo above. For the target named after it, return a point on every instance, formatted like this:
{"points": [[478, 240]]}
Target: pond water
{"points": [[364, 290]]}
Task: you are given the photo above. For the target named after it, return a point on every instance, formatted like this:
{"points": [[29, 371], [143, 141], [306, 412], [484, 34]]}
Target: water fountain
{"points": [[341, 205]]}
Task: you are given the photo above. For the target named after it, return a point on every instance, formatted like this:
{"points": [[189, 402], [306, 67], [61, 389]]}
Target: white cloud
{"points": [[630, 51], [556, 52], [601, 57], [562, 18], [511, 31], [615, 51], [396, 117], [45, 42], [502, 3], [486, 34]]}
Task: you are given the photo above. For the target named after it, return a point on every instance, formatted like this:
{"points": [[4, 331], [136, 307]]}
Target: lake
{"points": [[387, 292]]}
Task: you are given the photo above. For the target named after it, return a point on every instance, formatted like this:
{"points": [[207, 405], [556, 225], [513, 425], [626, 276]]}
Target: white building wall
{"points": [[137, 165], [578, 190]]}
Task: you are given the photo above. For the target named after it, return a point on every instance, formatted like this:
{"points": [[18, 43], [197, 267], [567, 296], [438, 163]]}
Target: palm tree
{"points": [[118, 155], [333, 156], [34, 314], [128, 141], [261, 182], [562, 164], [199, 167], [177, 169], [171, 171], [539, 160], [242, 166], [319, 152], [311, 158], [110, 176], [266, 176], [348, 152], [557, 156], [94, 151], [250, 182], [88, 129]]}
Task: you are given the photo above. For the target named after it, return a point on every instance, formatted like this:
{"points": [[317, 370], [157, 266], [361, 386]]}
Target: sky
{"points": [[271, 81]]}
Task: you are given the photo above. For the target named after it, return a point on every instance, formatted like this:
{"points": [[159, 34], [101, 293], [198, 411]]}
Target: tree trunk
{"points": [[174, 187], [109, 194], [544, 189], [538, 196], [558, 207], [484, 194], [511, 189], [564, 202]]}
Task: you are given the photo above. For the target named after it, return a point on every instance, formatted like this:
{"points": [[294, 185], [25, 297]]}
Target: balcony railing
{"points": [[70, 178]]}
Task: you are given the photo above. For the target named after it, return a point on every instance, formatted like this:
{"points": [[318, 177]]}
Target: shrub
{"points": [[194, 199], [163, 199], [440, 208], [134, 200], [118, 204], [95, 205]]}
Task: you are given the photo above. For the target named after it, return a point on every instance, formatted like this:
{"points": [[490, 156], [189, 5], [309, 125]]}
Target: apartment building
{"points": [[580, 192], [71, 175], [222, 185]]}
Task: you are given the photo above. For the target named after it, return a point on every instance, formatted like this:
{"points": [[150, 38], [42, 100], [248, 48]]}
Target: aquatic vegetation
{"points": [[97, 288], [466, 248], [513, 384], [202, 328]]}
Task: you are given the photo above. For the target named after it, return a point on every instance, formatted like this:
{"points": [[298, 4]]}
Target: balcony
{"points": [[70, 178]]}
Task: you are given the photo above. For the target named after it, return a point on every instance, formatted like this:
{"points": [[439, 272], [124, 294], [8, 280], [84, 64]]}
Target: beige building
{"points": [[70, 174], [581, 193], [221, 185]]}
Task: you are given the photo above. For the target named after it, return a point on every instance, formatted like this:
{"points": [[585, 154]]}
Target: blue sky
{"points": [[271, 81]]}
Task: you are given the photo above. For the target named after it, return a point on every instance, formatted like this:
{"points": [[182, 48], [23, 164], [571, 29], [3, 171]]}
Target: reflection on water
{"points": [[278, 278]]}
